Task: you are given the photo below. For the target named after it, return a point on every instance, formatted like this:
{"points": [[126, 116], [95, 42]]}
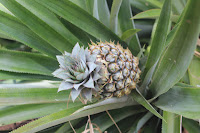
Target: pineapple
{"points": [[119, 69], [105, 69]]}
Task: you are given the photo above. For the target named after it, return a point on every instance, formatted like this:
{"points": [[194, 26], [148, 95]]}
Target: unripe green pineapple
{"points": [[105, 69], [119, 69]]}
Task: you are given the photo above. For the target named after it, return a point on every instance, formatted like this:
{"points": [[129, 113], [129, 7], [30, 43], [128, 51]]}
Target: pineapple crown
{"points": [[79, 72]]}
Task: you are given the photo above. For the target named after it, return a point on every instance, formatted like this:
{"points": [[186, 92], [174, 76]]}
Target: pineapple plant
{"points": [[99, 66], [104, 69]]}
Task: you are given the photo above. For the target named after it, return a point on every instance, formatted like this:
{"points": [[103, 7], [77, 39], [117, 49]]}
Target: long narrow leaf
{"points": [[26, 62], [13, 28], [17, 96], [125, 13], [81, 19], [104, 121], [181, 100], [191, 126], [4, 75], [104, 13], [127, 35], [49, 18], [153, 14], [47, 121], [176, 59], [74, 113], [194, 71], [159, 39], [172, 124], [16, 113], [38, 25], [114, 15], [141, 100]]}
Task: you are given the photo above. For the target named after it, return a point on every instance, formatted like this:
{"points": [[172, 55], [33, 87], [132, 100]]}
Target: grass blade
{"points": [[176, 58]]}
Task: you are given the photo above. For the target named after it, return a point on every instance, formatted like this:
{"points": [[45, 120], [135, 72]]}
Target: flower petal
{"points": [[65, 86], [76, 50], [89, 83], [60, 73]]}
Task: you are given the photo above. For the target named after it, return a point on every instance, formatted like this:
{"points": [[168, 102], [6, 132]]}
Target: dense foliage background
{"points": [[164, 34]]}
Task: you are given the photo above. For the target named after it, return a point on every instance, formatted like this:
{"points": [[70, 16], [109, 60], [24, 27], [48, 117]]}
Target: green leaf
{"points": [[143, 120], [66, 128], [181, 100], [155, 3], [104, 13], [26, 62], [4, 75], [80, 3], [127, 35], [90, 6], [17, 96], [49, 18], [47, 121], [153, 14], [104, 121], [85, 21], [74, 113], [4, 9], [172, 124], [192, 126], [177, 6], [159, 38], [125, 13], [79, 33], [13, 28], [37, 25], [114, 15], [176, 58], [194, 71], [137, 96], [142, 5], [16, 113]]}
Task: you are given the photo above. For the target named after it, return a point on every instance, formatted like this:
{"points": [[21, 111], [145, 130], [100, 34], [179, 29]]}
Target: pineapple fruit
{"points": [[105, 69]]}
